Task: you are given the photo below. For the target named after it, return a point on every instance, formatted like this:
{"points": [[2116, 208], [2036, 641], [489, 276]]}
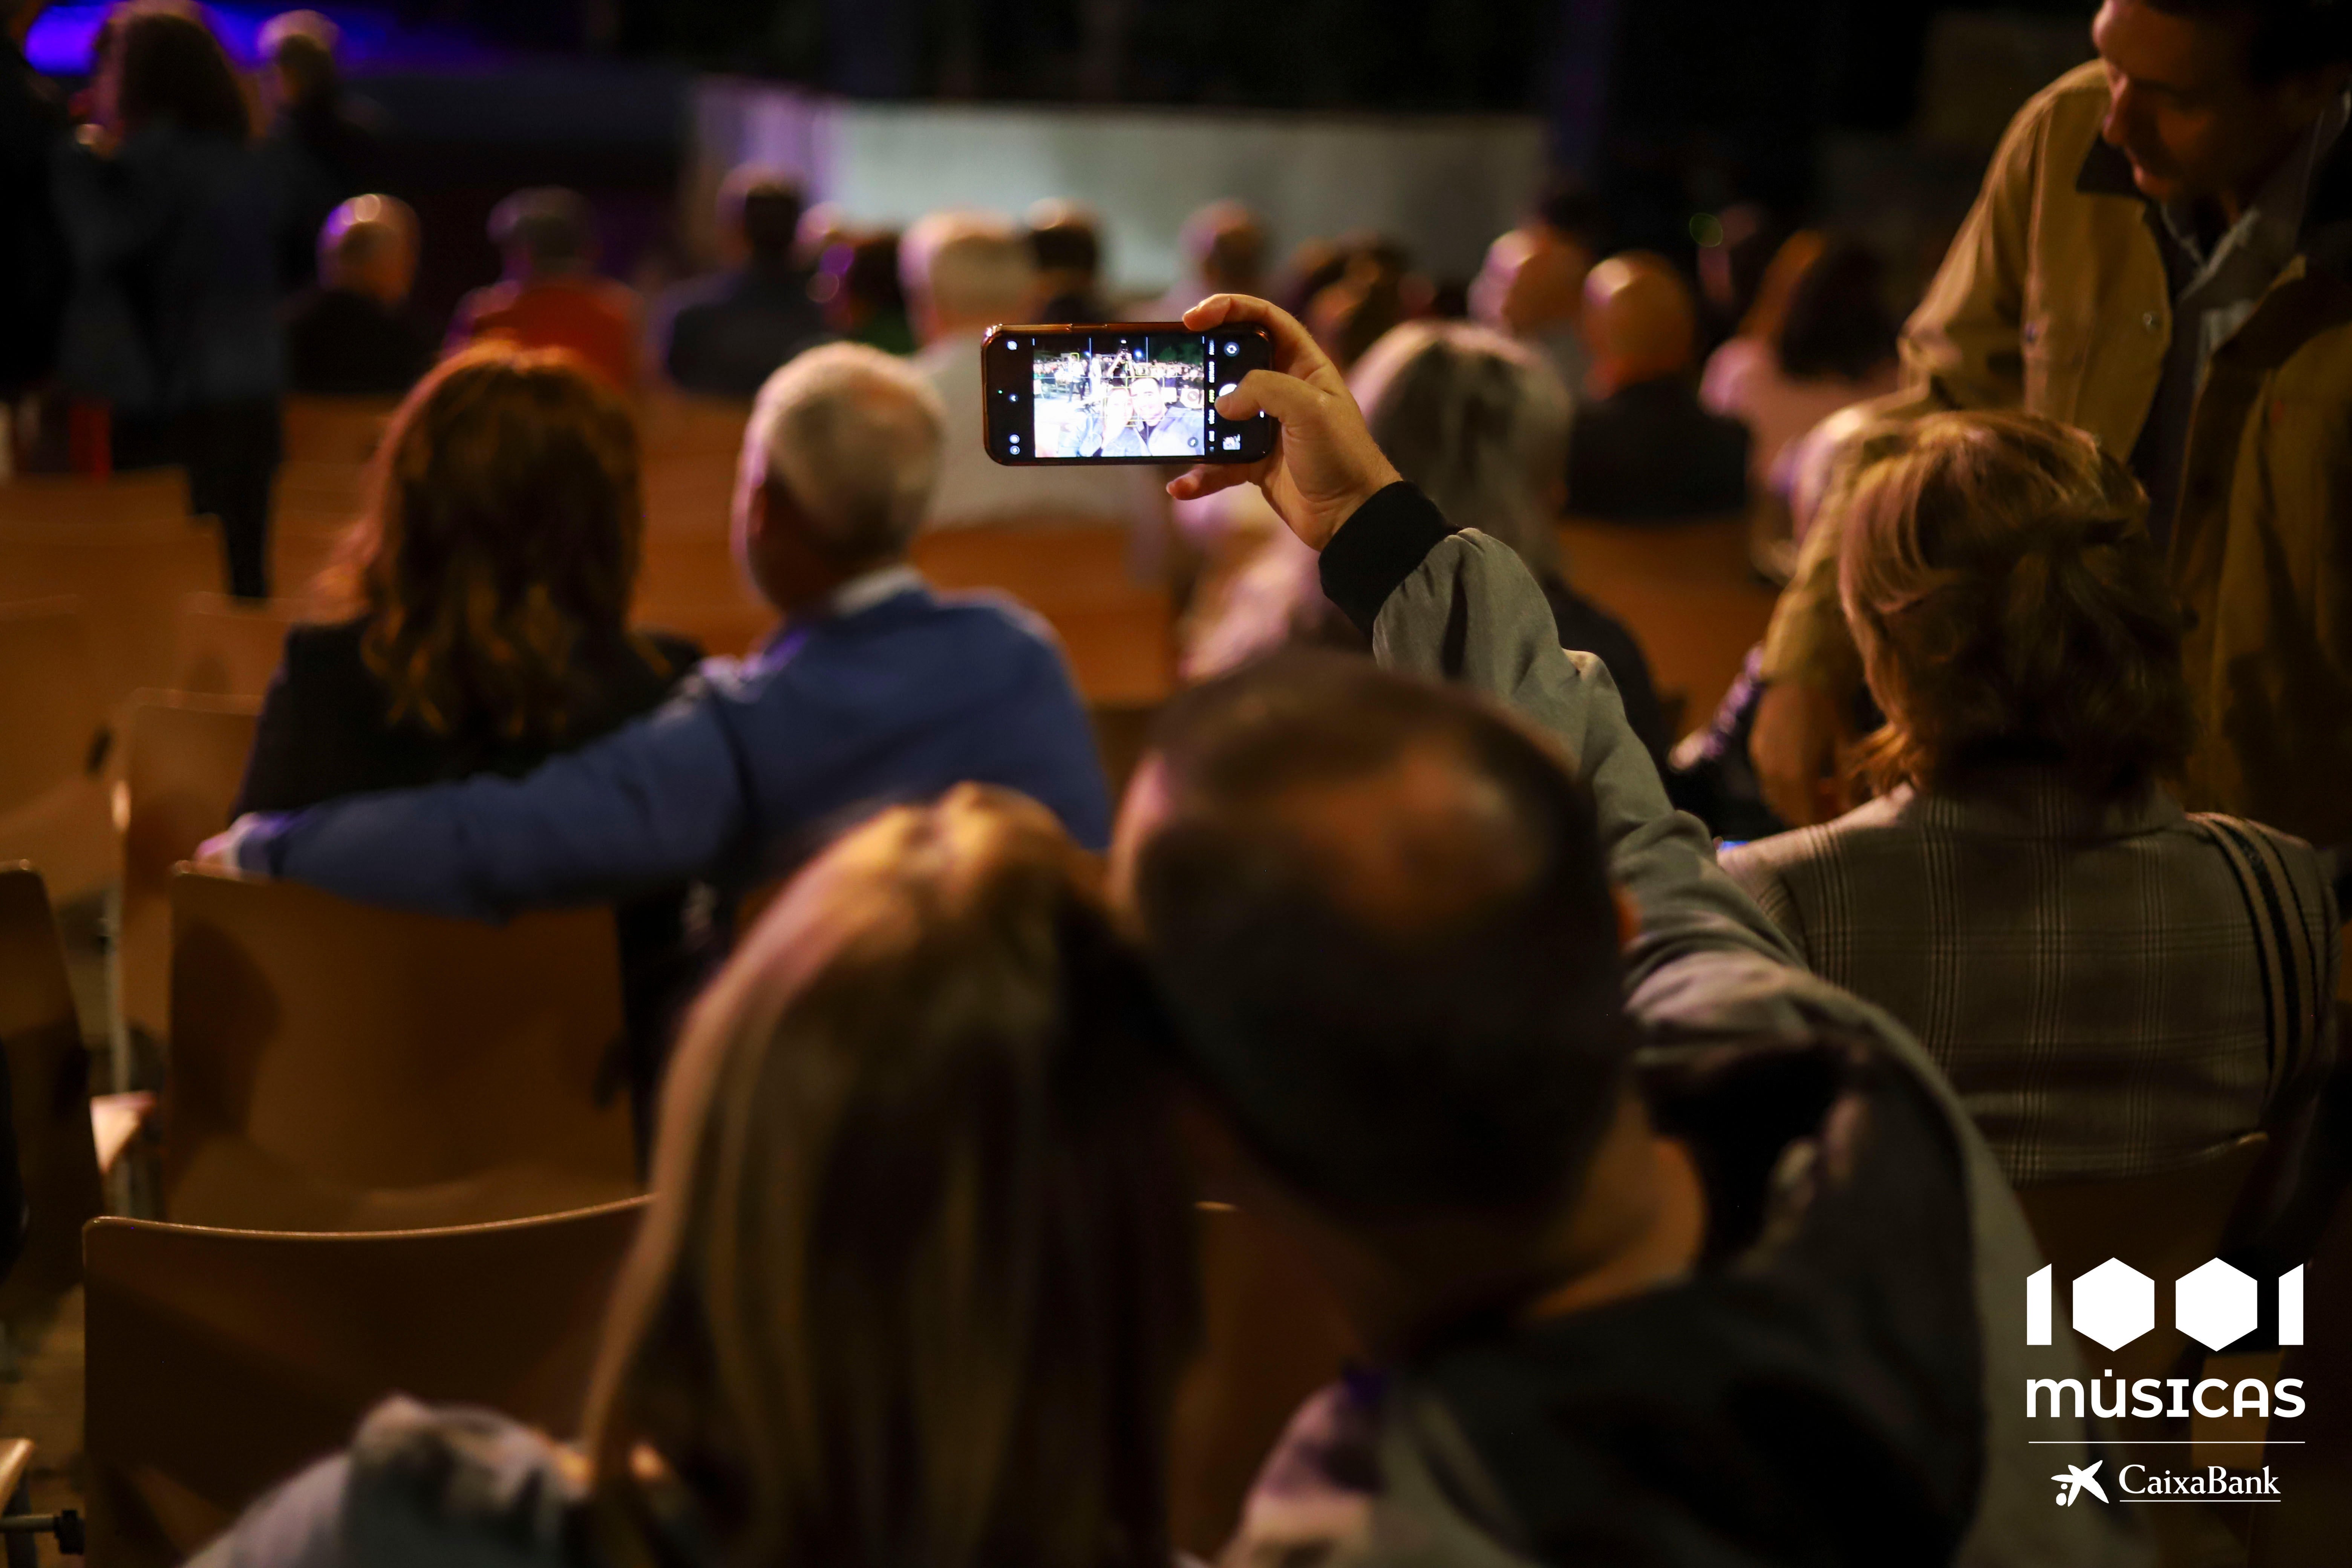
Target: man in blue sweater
{"points": [[875, 690]]}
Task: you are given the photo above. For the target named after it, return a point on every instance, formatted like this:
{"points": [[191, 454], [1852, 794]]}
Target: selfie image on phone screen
{"points": [[1121, 397], [1132, 393]]}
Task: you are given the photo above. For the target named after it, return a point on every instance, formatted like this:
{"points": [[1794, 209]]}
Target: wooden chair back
{"points": [[1686, 592], [231, 647], [221, 1362], [336, 1067], [48, 1090], [341, 430], [1046, 567], [157, 495], [300, 549], [678, 424], [53, 808], [2163, 1225], [49, 710], [183, 759], [692, 567], [131, 577], [321, 492], [1272, 1334]]}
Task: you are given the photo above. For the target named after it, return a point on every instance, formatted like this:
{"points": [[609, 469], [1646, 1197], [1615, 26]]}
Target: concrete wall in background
{"points": [[1444, 186]]}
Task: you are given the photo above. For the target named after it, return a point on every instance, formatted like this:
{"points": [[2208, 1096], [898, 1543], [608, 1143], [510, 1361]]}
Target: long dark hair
{"points": [[169, 66], [502, 542], [918, 1280]]}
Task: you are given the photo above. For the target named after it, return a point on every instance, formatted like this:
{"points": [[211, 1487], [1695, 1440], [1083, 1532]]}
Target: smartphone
{"points": [[1129, 391]]}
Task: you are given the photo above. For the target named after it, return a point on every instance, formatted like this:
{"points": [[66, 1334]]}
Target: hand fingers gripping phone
{"points": [[1133, 391]]}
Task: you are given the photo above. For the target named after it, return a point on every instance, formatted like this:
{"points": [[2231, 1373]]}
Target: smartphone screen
{"points": [[1133, 393]]}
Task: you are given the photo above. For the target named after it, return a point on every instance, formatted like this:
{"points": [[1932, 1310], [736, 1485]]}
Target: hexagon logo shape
{"points": [[2215, 1305], [2115, 1304]]}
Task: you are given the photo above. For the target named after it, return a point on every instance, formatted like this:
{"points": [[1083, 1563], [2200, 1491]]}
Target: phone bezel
{"points": [[1257, 434]]}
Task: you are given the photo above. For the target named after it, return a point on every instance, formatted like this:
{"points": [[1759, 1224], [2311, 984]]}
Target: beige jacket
{"points": [[2054, 299]]}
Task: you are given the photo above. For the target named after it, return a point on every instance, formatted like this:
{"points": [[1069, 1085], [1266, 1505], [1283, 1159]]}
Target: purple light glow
{"points": [[63, 37]]}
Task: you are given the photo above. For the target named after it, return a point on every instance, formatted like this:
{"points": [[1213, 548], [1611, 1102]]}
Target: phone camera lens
{"points": [[1011, 342], [1232, 348]]}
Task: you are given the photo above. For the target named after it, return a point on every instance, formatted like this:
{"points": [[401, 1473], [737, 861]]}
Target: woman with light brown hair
{"points": [[2114, 985], [485, 590], [918, 1279]]}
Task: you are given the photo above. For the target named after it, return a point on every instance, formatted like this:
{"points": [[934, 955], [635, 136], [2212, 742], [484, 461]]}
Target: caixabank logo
{"points": [[2115, 1304]]}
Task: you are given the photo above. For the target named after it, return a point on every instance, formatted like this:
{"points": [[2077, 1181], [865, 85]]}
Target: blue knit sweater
{"points": [[838, 716]]}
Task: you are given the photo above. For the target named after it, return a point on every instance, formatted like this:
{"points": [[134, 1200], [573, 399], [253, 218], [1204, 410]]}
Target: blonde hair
{"points": [[2009, 605], [917, 1280]]}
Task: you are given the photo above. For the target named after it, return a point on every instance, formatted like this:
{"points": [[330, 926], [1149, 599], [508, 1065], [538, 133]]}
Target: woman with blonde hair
{"points": [[916, 1282], [2114, 985]]}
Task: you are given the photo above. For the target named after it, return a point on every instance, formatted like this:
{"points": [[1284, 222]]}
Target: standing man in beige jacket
{"points": [[2162, 255]]}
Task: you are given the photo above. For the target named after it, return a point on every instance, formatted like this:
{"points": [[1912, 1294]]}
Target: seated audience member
{"points": [[1479, 423], [1065, 246], [964, 273], [2091, 967], [354, 334], [1531, 286], [1644, 446], [1223, 246], [874, 690], [1818, 339], [917, 1283], [551, 296], [724, 335], [324, 145], [488, 585], [487, 591], [1606, 1220], [1374, 291], [857, 283]]}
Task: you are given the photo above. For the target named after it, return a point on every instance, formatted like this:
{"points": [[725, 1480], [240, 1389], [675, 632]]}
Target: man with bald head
{"points": [[354, 334], [1644, 448]]}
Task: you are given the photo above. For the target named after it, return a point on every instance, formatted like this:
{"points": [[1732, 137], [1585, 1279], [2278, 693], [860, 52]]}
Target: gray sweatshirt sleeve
{"points": [[1462, 608]]}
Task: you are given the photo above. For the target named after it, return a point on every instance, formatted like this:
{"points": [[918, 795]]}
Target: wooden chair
{"points": [[1686, 590], [343, 430], [1122, 731], [336, 1067], [1271, 1336], [53, 809], [131, 577], [692, 567], [184, 758], [158, 495], [301, 548], [48, 1083], [231, 647], [332, 491], [733, 630], [693, 495], [1048, 567], [679, 425], [220, 1361], [1120, 655]]}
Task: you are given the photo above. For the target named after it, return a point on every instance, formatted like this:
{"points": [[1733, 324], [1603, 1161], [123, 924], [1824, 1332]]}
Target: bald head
{"points": [[1639, 320], [1533, 280], [368, 246]]}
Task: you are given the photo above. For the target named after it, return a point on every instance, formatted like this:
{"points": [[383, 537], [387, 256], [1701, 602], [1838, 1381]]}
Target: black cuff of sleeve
{"points": [[1377, 548]]}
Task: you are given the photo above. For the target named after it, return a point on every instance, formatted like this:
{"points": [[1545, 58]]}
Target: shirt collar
{"points": [[868, 589], [2030, 802], [2272, 227]]}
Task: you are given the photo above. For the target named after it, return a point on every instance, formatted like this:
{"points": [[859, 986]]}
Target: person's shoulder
{"points": [[487, 303], [2064, 117], [430, 1477]]}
